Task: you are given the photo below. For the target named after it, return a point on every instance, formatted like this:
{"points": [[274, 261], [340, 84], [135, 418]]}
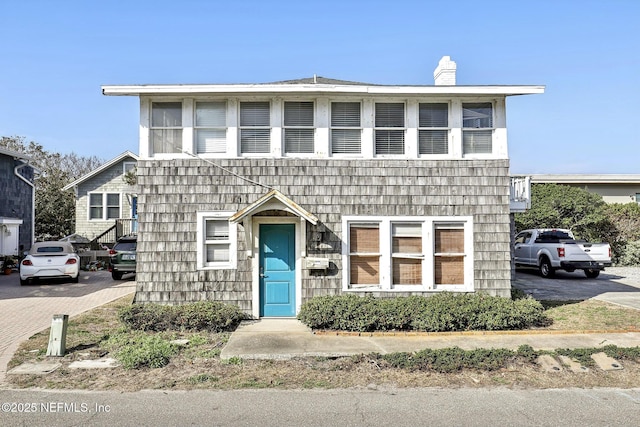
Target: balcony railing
{"points": [[108, 238], [520, 194]]}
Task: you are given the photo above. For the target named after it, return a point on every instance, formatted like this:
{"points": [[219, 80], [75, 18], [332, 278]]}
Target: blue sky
{"points": [[56, 54]]}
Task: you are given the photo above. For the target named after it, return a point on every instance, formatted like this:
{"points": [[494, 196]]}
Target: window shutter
{"points": [[433, 115], [364, 238], [389, 141], [477, 141], [390, 115], [346, 141], [217, 230], [449, 263], [433, 141], [298, 114], [345, 114], [298, 140], [211, 114], [257, 115], [477, 115], [254, 114], [166, 114], [211, 141]]}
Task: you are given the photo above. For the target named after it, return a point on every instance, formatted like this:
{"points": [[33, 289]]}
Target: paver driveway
{"points": [[26, 310]]}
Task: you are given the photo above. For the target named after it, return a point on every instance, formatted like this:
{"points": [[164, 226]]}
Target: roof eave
{"points": [[100, 169], [138, 90]]}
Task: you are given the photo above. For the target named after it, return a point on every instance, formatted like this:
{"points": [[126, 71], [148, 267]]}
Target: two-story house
{"points": [[266, 195], [106, 203]]}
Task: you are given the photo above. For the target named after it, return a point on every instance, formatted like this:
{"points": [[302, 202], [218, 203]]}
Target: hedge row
{"points": [[438, 313], [210, 316]]}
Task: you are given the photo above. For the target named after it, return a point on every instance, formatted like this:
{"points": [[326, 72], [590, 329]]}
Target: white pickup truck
{"points": [[552, 249]]}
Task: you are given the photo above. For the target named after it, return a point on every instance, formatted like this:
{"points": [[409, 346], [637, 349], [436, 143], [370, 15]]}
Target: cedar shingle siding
{"points": [[171, 192], [17, 196]]}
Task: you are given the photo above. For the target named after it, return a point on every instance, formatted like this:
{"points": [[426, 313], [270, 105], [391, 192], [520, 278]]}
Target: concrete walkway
{"points": [[26, 310], [288, 338]]}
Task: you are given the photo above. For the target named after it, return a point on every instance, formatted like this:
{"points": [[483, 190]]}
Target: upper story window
{"points": [[166, 127], [433, 124], [477, 128], [298, 127], [103, 206], [346, 131], [211, 127], [255, 127], [389, 128]]}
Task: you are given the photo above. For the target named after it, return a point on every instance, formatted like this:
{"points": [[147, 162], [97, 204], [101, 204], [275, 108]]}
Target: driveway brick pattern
{"points": [[26, 310]]}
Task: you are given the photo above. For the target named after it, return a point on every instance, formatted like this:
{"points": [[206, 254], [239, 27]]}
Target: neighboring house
{"points": [[16, 203], [614, 188], [105, 203], [266, 195]]}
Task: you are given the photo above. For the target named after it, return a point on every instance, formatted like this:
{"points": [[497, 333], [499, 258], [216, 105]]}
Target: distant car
{"points": [[123, 257], [50, 260]]}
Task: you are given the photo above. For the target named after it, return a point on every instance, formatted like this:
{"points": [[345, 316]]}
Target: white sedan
{"points": [[50, 260]]}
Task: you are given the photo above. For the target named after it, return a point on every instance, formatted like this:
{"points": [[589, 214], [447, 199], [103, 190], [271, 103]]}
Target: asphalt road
{"points": [[350, 407]]}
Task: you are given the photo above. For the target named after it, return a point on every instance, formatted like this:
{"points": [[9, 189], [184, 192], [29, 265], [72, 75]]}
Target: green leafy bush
{"points": [[452, 359], [141, 350], [210, 316], [631, 254], [438, 313]]}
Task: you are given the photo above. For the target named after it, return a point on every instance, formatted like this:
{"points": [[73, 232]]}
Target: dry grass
{"points": [[199, 366]]}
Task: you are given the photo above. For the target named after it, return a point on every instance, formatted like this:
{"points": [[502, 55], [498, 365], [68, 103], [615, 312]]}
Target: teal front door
{"points": [[277, 270]]}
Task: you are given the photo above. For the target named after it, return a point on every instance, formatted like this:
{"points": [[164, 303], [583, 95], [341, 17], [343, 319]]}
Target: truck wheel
{"points": [[545, 268], [116, 275], [592, 274]]}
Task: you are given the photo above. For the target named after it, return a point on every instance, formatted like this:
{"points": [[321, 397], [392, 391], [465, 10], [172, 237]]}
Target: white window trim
{"points": [[494, 118], [332, 128], [104, 206], [233, 242], [185, 128], [196, 128], [284, 128], [450, 149], [428, 245]]}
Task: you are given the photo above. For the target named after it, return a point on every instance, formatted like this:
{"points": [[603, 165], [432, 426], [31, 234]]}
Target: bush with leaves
{"points": [[210, 316], [140, 350], [441, 312]]}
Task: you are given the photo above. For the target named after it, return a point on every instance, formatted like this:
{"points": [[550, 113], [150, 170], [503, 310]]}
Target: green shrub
{"points": [[210, 316], [141, 350], [452, 359], [631, 254], [441, 312]]}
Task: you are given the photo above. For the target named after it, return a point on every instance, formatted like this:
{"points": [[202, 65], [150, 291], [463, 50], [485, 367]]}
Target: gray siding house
{"points": [[105, 202], [16, 203], [266, 195]]}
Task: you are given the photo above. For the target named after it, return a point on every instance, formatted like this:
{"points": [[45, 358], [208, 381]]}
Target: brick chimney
{"points": [[445, 72]]}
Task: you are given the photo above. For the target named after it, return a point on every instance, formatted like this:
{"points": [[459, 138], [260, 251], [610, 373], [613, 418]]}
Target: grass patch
{"points": [[592, 315]]}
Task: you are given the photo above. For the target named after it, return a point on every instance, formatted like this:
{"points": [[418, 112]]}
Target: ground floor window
{"points": [[408, 253], [217, 241]]}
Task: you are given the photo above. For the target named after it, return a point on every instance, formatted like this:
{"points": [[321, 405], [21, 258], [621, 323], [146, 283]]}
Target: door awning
{"points": [[273, 200]]}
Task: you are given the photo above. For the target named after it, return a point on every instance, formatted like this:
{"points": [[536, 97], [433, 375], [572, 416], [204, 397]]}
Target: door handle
{"points": [[263, 275]]}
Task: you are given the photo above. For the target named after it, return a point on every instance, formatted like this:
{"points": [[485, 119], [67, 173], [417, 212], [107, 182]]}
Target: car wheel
{"points": [[24, 282], [76, 279], [116, 275], [545, 268], [592, 274]]}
